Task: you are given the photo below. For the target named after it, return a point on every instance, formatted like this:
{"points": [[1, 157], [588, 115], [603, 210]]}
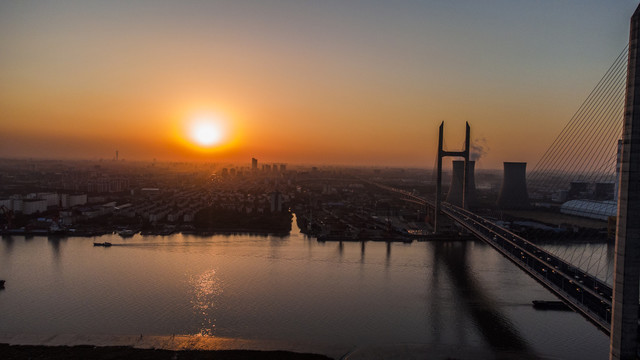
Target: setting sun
{"points": [[206, 131]]}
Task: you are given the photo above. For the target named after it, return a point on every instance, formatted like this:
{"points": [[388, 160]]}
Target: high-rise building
{"points": [[254, 164]]}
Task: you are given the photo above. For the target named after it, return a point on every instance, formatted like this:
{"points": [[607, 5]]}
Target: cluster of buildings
{"points": [[34, 203], [329, 202], [268, 167], [73, 194], [337, 205]]}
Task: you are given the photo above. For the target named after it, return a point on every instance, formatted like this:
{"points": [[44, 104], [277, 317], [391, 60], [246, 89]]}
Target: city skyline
{"points": [[355, 83]]}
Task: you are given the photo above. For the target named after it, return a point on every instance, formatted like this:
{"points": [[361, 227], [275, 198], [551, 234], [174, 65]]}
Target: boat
{"points": [[105, 244], [550, 305], [1, 284]]}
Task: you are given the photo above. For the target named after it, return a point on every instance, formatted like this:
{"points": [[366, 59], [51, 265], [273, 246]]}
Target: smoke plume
{"points": [[478, 149]]}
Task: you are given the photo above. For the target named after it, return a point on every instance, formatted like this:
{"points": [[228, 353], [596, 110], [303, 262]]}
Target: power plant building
{"points": [[600, 210], [455, 194], [513, 193]]}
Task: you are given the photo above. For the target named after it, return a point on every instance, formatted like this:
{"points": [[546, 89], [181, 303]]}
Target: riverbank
{"points": [[68, 346], [126, 352], [100, 231]]}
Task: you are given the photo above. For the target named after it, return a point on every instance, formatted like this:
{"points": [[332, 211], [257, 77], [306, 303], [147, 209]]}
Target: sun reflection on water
{"points": [[206, 288]]}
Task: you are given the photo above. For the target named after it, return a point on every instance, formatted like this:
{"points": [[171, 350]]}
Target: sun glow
{"points": [[206, 131]]}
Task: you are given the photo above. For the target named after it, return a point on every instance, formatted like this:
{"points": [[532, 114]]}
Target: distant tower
{"points": [[454, 196], [254, 164], [116, 155], [513, 193]]}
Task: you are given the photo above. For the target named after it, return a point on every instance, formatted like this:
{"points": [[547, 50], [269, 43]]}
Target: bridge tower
{"points": [[442, 153], [626, 281]]}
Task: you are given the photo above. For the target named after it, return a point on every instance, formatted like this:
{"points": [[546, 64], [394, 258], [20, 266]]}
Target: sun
{"points": [[206, 131]]}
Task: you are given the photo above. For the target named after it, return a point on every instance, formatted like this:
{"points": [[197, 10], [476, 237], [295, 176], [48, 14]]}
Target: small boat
{"points": [[550, 305], [1, 284], [105, 244]]}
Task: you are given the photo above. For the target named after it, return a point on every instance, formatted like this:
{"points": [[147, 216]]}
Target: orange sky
{"points": [[332, 82]]}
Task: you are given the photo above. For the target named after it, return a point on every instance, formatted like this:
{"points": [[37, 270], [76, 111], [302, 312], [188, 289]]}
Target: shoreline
{"points": [[101, 232], [126, 352], [157, 346]]}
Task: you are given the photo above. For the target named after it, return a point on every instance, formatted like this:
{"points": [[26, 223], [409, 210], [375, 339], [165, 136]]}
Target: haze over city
{"points": [[319, 179], [331, 82]]}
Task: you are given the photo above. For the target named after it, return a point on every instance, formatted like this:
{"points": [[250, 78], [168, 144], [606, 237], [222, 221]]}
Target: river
{"points": [[365, 300]]}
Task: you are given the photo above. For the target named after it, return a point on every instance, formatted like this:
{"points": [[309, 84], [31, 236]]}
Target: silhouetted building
{"points": [[254, 164], [604, 191], [513, 193], [578, 190]]}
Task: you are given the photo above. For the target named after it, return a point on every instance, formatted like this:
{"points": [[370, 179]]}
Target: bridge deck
{"points": [[584, 293]]}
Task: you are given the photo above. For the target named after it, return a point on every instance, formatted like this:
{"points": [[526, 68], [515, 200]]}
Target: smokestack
{"points": [[513, 193], [454, 196]]}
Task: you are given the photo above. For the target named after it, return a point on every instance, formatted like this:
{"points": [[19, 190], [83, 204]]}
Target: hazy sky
{"points": [[346, 82]]}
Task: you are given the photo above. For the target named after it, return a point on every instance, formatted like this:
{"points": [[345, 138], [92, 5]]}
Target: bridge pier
{"points": [[626, 281]]}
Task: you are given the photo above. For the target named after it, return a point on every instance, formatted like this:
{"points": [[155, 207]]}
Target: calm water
{"points": [[462, 294]]}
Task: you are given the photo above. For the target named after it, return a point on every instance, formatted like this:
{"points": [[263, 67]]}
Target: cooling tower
{"points": [[513, 193], [454, 196]]}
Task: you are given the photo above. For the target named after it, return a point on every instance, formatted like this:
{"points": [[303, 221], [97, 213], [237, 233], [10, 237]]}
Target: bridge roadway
{"points": [[581, 291], [584, 293]]}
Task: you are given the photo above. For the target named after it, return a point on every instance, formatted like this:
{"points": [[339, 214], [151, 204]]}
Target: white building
{"points": [[52, 199], [68, 200], [17, 205], [8, 203], [600, 210]]}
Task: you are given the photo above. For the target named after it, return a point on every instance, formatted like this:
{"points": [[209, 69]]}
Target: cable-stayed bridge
{"points": [[583, 292], [600, 145]]}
